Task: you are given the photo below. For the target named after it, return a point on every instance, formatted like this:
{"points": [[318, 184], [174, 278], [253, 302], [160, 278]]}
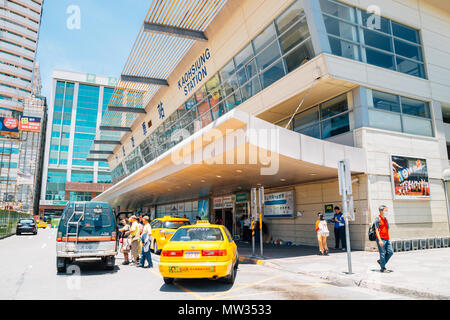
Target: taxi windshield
{"points": [[174, 224], [198, 234]]}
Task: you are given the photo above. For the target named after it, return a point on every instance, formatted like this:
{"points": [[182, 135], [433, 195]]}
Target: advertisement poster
{"points": [[329, 212], [279, 205], [9, 127], [203, 209], [32, 124], [410, 178]]}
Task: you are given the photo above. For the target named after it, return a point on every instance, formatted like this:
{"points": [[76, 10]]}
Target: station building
{"points": [[275, 95]]}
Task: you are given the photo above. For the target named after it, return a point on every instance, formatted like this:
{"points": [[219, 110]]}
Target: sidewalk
{"points": [[419, 274]]}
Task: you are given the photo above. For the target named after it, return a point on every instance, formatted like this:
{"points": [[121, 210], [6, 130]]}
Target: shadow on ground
{"points": [[88, 268], [271, 251]]}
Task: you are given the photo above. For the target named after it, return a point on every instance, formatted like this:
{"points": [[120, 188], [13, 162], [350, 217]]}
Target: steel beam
{"points": [[100, 152], [94, 159], [113, 128], [126, 109], [174, 31], [107, 142], [147, 80]]}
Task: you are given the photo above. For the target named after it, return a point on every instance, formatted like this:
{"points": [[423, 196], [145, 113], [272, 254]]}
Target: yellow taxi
{"points": [[41, 224], [163, 229], [202, 250]]}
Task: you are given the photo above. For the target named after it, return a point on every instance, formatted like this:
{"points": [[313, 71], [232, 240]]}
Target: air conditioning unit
{"points": [[397, 245], [415, 244], [437, 242], [445, 241], [423, 244], [406, 245], [430, 243]]}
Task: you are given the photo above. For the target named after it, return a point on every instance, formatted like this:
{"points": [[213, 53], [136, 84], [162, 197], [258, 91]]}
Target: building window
{"points": [[323, 121], [397, 113], [392, 46], [82, 176], [80, 196]]}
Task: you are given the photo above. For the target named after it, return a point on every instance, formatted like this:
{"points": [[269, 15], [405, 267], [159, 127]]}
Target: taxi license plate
{"points": [[192, 254], [176, 269]]}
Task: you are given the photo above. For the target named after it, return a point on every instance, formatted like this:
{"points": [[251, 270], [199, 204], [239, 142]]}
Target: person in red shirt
{"points": [[383, 240]]}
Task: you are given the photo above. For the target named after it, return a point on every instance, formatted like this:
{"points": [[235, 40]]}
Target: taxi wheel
{"points": [[168, 280], [230, 279]]}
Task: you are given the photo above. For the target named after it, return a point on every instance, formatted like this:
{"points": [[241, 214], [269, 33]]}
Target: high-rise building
{"points": [[19, 96], [77, 104]]}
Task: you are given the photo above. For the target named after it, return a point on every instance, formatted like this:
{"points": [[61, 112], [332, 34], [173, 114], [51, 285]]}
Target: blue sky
{"points": [[101, 46]]}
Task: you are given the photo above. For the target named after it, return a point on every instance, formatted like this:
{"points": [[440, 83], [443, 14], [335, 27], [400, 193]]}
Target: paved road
{"points": [[28, 271]]}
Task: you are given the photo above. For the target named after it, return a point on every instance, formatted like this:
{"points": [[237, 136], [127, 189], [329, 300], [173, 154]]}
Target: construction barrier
{"points": [[8, 222]]}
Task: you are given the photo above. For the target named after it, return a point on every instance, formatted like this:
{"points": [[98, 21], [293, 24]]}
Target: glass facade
{"points": [[353, 34], [284, 45], [397, 113], [323, 121], [85, 113], [56, 184], [62, 118], [86, 124]]}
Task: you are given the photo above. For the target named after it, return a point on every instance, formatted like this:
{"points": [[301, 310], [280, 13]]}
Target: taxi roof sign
{"points": [[202, 222]]}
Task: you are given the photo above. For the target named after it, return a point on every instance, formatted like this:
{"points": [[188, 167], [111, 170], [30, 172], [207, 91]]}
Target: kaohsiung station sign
{"points": [[195, 74]]}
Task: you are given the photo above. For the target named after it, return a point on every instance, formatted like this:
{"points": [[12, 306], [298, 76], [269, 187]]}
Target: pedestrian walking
{"points": [[145, 253], [134, 238], [124, 241], [383, 243], [339, 228], [322, 234]]}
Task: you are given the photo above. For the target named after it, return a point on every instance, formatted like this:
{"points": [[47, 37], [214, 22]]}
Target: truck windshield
{"points": [[94, 216]]}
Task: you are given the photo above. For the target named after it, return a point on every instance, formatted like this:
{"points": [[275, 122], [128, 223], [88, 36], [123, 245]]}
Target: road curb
{"points": [[353, 282]]}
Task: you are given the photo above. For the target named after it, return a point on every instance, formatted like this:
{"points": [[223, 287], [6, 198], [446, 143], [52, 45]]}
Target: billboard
{"points": [[32, 124], [9, 127], [279, 205], [410, 178]]}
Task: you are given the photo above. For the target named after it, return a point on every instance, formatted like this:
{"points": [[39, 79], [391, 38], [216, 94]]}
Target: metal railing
{"points": [[8, 222]]}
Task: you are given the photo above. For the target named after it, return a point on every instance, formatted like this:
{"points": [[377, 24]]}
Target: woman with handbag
{"points": [[322, 234], [124, 241]]}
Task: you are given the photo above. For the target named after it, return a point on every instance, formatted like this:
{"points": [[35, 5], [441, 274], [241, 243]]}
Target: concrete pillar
{"points": [[316, 26]]}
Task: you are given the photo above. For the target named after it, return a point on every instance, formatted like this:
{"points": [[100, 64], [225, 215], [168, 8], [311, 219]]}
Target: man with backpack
{"points": [[381, 228]]}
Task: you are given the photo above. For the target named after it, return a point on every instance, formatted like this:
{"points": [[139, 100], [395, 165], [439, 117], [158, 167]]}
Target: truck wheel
{"points": [[168, 280], [61, 265], [110, 263]]}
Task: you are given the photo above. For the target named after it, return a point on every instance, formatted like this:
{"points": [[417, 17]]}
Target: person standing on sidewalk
{"points": [[134, 239], [339, 228], [322, 234], [145, 253], [383, 240]]}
